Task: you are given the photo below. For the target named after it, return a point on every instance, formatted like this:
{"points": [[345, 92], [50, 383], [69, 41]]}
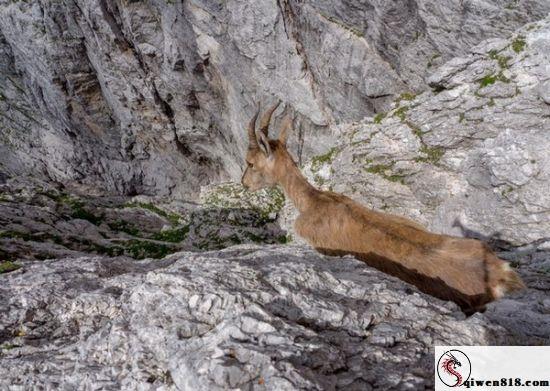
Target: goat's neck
{"points": [[296, 186]]}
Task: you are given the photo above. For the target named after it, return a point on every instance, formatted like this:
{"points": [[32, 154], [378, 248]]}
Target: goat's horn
{"points": [[252, 129], [266, 118]]}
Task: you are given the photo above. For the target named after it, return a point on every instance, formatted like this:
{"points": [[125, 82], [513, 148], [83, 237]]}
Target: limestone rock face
{"points": [[276, 317], [150, 97]]}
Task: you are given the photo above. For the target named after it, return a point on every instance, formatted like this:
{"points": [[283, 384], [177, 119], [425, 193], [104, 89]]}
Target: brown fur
{"points": [[451, 268]]}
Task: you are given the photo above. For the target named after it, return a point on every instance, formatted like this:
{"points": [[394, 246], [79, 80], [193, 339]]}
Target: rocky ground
{"points": [[44, 221], [247, 317]]}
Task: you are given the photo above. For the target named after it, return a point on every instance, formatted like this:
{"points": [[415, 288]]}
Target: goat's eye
{"points": [[250, 165]]}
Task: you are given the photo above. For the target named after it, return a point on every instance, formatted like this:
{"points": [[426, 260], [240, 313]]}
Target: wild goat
{"points": [[465, 271]]}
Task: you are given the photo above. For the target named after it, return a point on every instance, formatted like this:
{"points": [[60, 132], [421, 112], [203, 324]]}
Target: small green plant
{"points": [[318, 161], [385, 171], [140, 249], [124, 226], [487, 81], [431, 154], [16, 235], [172, 217], [8, 266], [172, 235], [405, 96], [518, 44], [491, 79], [401, 113], [379, 117], [501, 59], [79, 210]]}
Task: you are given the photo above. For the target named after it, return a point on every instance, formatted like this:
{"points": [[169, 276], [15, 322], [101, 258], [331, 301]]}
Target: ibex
{"points": [[463, 270]]}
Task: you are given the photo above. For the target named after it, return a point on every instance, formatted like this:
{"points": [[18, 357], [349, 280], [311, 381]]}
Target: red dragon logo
{"points": [[453, 371]]}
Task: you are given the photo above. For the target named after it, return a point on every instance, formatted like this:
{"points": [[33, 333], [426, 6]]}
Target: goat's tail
{"points": [[503, 279]]}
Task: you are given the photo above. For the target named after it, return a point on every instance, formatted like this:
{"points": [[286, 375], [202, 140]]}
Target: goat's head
{"points": [[264, 156]]}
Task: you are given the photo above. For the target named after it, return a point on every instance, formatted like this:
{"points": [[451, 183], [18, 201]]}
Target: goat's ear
{"points": [[283, 135], [263, 143]]}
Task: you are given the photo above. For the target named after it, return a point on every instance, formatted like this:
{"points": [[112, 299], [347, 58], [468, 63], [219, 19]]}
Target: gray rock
{"points": [[276, 317], [151, 97], [41, 221]]}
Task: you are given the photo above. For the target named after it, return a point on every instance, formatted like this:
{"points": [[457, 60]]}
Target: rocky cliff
{"points": [[150, 97], [127, 261]]}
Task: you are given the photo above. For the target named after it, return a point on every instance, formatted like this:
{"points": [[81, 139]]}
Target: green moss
{"points": [[405, 96], [401, 113], [319, 180], [124, 226], [487, 80], [379, 117], [172, 235], [79, 209], [9, 346], [518, 44], [8, 266], [432, 154], [284, 239], [384, 170], [16, 235], [112, 251], [172, 217], [318, 161], [461, 117], [140, 249], [234, 196], [415, 129], [491, 79], [502, 60], [80, 212]]}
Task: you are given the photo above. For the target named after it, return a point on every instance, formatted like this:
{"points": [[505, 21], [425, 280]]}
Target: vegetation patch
{"points": [[172, 217], [385, 171], [401, 113], [124, 226], [432, 154], [415, 129], [379, 117], [518, 44], [79, 210], [405, 96], [172, 235], [234, 196], [318, 161], [140, 249], [502, 60], [8, 266], [492, 79]]}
